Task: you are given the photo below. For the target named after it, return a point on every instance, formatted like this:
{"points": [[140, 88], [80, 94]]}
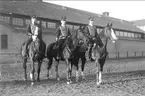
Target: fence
{"points": [[121, 55], [16, 58]]}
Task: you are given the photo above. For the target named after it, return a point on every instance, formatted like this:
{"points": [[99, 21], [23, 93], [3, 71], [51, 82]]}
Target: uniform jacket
{"points": [[29, 31], [87, 32], [60, 34]]}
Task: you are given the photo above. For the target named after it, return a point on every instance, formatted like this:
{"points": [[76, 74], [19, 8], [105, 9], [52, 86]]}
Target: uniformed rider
{"points": [[91, 33], [34, 31], [62, 33]]}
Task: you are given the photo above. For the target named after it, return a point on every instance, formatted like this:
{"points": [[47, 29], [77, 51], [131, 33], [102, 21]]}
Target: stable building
{"points": [[15, 16]]}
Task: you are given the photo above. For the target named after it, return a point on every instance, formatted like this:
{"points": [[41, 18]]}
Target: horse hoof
{"points": [[69, 82], [25, 79], [32, 83], [98, 83], [58, 79]]}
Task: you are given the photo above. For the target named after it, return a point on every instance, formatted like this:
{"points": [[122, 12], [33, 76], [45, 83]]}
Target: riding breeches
{"points": [[26, 45]]}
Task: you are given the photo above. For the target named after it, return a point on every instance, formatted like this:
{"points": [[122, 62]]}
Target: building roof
{"points": [[52, 11], [139, 22]]}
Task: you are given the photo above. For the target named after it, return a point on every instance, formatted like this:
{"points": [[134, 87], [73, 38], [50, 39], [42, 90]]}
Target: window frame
{"points": [[17, 21], [4, 42], [52, 24]]}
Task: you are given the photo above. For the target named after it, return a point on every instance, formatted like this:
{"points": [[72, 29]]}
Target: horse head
{"points": [[80, 39], [108, 33]]}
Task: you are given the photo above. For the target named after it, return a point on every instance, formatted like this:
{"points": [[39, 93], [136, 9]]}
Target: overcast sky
{"points": [[126, 10]]}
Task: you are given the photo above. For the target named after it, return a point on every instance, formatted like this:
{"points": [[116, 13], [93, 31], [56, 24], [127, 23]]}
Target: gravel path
{"points": [[114, 84]]}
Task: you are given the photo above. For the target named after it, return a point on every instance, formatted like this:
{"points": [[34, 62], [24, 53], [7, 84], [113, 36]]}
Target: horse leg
{"points": [[70, 68], [83, 59], [38, 70], [68, 71], [97, 71], [76, 62], [56, 70], [25, 67], [32, 73], [49, 66], [101, 62]]}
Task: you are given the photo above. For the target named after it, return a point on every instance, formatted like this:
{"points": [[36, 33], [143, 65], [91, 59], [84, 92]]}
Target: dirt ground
{"points": [[120, 78]]}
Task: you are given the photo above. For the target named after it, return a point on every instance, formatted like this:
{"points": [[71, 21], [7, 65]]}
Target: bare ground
{"points": [[120, 78]]}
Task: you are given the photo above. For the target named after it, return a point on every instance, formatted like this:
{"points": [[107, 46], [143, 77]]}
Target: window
{"points": [[125, 34], [1, 18], [18, 21], [43, 24], [69, 26], [142, 36], [27, 21], [5, 19], [129, 34], [135, 35], [132, 35], [139, 35], [51, 25], [121, 33], [117, 33], [4, 42]]}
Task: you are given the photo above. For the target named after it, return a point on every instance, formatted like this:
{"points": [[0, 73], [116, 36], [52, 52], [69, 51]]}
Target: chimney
{"points": [[39, 0], [106, 14]]}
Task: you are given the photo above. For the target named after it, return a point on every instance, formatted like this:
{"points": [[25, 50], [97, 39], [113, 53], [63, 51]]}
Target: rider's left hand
{"points": [[94, 38]]}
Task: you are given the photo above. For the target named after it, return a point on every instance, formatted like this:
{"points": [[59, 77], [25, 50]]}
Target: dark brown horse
{"points": [[36, 53], [80, 48], [100, 54], [52, 52]]}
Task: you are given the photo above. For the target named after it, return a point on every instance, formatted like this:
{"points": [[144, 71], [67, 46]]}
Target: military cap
{"points": [[91, 18], [33, 16], [63, 18]]}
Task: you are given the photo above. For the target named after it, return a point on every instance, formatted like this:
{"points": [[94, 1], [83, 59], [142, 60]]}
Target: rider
{"points": [[30, 32], [91, 33], [62, 33]]}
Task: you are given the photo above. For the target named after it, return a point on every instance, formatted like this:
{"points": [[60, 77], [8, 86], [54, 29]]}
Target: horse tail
{"points": [[21, 50]]}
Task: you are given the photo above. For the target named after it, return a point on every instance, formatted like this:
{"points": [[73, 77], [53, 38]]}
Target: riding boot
{"points": [[26, 49], [59, 53], [90, 51]]}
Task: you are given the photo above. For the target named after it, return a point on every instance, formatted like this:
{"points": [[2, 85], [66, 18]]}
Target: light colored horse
{"points": [[36, 53], [100, 54]]}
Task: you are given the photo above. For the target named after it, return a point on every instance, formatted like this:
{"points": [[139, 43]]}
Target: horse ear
{"points": [[111, 25], [108, 25]]}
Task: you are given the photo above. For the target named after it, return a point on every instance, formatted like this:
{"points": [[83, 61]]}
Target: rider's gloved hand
{"points": [[56, 39], [94, 38]]}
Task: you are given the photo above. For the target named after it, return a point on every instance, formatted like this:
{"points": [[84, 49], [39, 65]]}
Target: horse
{"points": [[99, 54], [52, 52], [80, 48], [36, 53]]}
